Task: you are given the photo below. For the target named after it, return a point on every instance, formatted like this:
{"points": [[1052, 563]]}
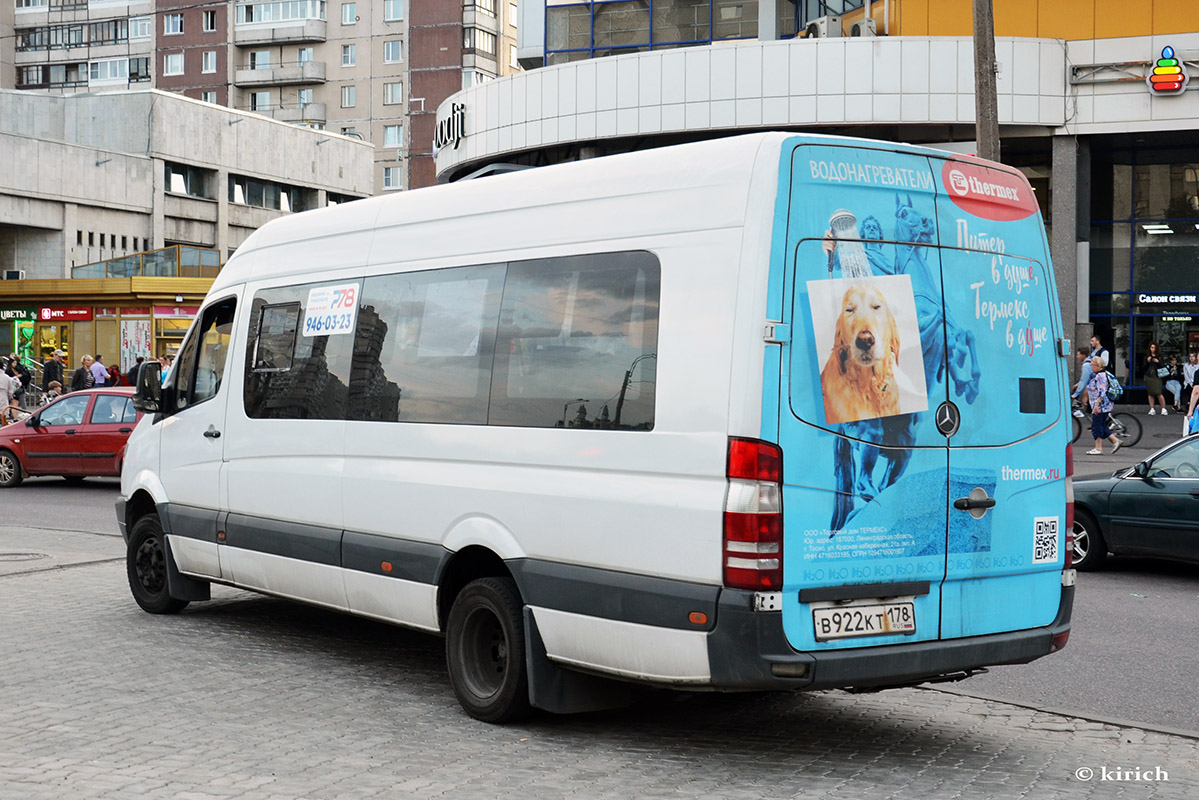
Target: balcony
{"points": [[302, 30], [308, 112], [176, 261], [295, 73]]}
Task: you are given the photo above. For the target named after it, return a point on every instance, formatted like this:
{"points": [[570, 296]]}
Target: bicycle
{"points": [[1126, 426]]}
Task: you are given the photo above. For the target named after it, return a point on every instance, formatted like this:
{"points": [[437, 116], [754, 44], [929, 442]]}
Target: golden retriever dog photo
{"points": [[859, 379]]}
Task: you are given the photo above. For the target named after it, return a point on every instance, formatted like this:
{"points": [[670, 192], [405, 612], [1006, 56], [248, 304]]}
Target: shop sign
{"points": [[1167, 298], [144, 311], [1169, 75], [17, 314], [182, 312], [451, 130], [106, 313], [64, 314]]}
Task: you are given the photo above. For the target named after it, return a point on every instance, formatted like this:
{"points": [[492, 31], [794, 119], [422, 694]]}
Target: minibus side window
{"points": [[424, 345], [201, 364], [577, 344], [314, 383]]}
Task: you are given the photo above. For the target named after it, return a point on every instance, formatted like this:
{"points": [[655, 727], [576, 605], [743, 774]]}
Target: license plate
{"points": [[866, 619]]}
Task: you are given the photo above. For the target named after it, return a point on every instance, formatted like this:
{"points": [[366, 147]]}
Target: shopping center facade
{"points": [[1112, 154]]}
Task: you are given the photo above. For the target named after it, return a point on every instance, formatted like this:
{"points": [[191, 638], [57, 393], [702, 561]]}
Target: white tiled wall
{"points": [[759, 85]]}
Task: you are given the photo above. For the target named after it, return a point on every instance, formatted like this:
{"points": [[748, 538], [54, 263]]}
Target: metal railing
{"points": [[176, 261]]}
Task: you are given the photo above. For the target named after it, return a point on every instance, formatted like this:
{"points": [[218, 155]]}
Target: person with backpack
{"points": [[1098, 389]]}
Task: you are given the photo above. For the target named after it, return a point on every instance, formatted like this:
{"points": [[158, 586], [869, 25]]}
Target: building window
{"points": [[260, 101], [260, 59], [265, 194], [475, 77], [477, 40], [280, 11], [209, 21], [208, 61], [348, 55], [393, 10], [306, 54], [172, 64], [190, 181], [349, 13], [172, 24], [304, 97], [349, 96], [141, 27], [512, 60], [139, 69], [33, 39], [108, 32], [350, 131], [392, 178], [393, 135], [486, 7], [31, 4], [512, 13], [208, 97], [393, 93], [112, 71], [393, 51]]}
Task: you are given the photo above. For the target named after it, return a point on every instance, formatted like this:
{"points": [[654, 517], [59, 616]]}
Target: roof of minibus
{"points": [[694, 186]]}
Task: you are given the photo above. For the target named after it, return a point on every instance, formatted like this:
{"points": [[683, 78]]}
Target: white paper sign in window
{"points": [[331, 310]]}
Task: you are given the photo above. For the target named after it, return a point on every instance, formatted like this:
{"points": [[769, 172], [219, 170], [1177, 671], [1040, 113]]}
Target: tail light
{"points": [[1069, 506], [753, 516]]}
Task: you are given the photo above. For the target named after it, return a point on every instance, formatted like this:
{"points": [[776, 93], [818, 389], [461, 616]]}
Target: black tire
{"points": [[11, 473], [1077, 428], [1132, 429], [146, 566], [485, 651], [1090, 550]]}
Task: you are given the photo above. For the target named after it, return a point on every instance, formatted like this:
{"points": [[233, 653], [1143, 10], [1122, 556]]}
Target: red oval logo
{"points": [[988, 193]]}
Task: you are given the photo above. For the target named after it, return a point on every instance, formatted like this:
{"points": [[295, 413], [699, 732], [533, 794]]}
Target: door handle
{"points": [[124, 430], [212, 433], [967, 503], [70, 431], [1194, 493]]}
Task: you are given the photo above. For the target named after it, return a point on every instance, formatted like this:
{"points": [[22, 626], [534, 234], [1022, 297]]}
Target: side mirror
{"points": [[32, 422], [1141, 469], [147, 398]]}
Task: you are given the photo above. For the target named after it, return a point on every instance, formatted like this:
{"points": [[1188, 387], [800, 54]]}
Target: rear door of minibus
{"points": [[887, 377]]}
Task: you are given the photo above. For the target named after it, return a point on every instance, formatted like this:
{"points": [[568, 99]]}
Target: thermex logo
{"points": [[988, 193]]}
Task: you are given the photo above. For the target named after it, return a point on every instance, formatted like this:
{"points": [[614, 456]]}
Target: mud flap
{"points": [[180, 586], [563, 691]]}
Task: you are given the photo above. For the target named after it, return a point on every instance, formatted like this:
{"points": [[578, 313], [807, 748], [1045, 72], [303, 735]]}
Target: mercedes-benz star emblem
{"points": [[948, 419]]}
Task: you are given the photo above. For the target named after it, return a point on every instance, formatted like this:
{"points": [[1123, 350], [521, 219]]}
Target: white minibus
{"points": [[770, 411]]}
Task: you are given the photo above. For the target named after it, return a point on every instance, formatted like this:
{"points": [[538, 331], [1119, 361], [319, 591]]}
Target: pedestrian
{"points": [[1084, 379], [114, 376], [166, 362], [1153, 369], [8, 385], [99, 371], [16, 370], [134, 374], [1101, 406], [52, 393], [83, 378], [52, 370], [1173, 382]]}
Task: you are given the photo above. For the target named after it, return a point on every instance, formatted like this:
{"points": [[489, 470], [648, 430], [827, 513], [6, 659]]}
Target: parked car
{"points": [[1149, 509], [78, 435]]}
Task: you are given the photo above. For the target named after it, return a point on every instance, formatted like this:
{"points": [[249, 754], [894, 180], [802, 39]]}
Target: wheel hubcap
{"points": [[1082, 542], [150, 564], [7, 468], [485, 653]]}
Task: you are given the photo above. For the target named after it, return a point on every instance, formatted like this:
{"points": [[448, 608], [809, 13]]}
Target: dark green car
{"points": [[1149, 509]]}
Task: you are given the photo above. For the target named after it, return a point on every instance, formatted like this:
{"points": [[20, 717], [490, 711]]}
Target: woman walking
{"points": [[1153, 371], [1101, 405]]}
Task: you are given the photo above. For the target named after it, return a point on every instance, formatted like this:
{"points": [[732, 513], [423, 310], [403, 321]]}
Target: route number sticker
{"points": [[331, 310]]}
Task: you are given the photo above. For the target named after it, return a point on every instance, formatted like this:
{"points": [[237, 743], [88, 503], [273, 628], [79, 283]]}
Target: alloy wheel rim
{"points": [[1082, 542], [7, 469]]}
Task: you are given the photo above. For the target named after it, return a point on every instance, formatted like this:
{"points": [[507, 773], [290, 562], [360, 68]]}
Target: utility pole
{"points": [[986, 106]]}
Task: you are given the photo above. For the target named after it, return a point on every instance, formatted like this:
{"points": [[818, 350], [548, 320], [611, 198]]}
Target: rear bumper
{"points": [[748, 650]]}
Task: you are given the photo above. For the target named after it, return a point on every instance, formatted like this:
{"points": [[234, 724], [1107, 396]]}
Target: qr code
{"points": [[1044, 540]]}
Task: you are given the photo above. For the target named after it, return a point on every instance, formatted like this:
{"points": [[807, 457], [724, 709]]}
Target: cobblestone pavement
{"points": [[256, 698]]}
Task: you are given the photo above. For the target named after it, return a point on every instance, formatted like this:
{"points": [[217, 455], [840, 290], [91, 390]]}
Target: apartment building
{"points": [[370, 69]]}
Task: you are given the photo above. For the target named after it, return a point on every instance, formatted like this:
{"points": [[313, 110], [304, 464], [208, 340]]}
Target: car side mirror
{"points": [[147, 398], [33, 421], [1141, 469]]}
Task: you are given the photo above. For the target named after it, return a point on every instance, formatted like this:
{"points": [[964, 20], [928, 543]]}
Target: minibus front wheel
{"points": [[485, 651], [146, 566]]}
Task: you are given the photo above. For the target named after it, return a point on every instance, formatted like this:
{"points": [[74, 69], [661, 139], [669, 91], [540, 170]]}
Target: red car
{"points": [[77, 435]]}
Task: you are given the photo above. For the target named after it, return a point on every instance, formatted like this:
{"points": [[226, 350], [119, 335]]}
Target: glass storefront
{"points": [[1144, 273]]}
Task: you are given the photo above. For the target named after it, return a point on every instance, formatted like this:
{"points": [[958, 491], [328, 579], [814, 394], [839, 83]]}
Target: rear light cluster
{"points": [[753, 516], [1069, 506]]}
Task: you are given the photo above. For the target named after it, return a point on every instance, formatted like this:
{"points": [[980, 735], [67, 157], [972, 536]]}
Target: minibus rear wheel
{"points": [[146, 566], [485, 651]]}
